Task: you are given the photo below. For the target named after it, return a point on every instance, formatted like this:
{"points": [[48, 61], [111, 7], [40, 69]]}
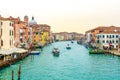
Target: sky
{"points": [[65, 15]]}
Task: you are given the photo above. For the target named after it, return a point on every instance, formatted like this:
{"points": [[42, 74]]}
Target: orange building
{"points": [[21, 30]]}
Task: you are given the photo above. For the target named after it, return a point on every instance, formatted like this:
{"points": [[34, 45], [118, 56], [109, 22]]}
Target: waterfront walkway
{"points": [[115, 52]]}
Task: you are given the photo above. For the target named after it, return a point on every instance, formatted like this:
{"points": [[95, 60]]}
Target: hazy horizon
{"points": [[65, 15]]}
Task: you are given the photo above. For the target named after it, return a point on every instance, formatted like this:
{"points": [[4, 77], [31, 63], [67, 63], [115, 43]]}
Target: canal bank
{"points": [[101, 51], [73, 64], [115, 52]]}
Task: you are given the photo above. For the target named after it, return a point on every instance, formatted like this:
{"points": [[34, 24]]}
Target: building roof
{"points": [[106, 29]]}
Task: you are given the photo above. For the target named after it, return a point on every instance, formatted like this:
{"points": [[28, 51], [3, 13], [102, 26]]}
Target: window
{"points": [[21, 34], [113, 41], [1, 32], [1, 23], [103, 36], [113, 46], [100, 36], [103, 41], [21, 40], [110, 36], [10, 42], [1, 42], [12, 33], [107, 41], [113, 36], [116, 36], [10, 24], [116, 41], [116, 46], [110, 41], [36, 32], [28, 33], [107, 36]]}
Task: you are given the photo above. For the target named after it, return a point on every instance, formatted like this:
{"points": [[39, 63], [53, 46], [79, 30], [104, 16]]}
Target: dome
{"points": [[32, 22]]}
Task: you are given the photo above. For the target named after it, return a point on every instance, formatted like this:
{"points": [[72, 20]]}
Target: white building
{"points": [[104, 39], [0, 32], [59, 37], [7, 34]]}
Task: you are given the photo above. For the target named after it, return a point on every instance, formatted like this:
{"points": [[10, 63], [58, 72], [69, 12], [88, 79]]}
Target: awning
{"points": [[19, 50], [12, 50], [5, 52]]}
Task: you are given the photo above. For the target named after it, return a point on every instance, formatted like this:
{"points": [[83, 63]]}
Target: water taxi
{"points": [[68, 46], [56, 52]]}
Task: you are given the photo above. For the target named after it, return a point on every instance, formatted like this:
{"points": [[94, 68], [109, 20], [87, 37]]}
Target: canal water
{"points": [[73, 64]]}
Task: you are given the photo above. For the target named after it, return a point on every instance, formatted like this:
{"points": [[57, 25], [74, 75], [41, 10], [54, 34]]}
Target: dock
{"points": [[115, 52]]}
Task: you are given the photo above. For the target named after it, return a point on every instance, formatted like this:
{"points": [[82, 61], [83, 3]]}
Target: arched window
{"points": [[10, 24], [10, 42], [1, 23], [113, 36], [1, 42], [10, 32], [1, 32]]}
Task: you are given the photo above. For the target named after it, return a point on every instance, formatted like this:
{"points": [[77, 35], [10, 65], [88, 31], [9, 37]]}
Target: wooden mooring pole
{"points": [[19, 71], [12, 75]]}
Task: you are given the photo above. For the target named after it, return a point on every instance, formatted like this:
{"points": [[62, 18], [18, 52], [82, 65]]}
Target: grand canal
{"points": [[74, 64]]}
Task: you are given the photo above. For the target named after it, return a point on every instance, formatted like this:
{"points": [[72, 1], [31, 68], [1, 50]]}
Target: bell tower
{"points": [[26, 19]]}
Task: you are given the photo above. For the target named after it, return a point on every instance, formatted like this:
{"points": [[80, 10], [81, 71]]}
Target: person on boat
{"points": [[67, 44], [110, 45]]}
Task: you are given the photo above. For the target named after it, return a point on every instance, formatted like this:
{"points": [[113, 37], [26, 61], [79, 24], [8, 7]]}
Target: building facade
{"points": [[41, 34], [106, 39], [104, 36], [21, 30], [67, 36], [7, 33]]}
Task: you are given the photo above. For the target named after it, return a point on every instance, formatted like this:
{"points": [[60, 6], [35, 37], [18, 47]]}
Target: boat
{"points": [[96, 51], [56, 52], [39, 45], [68, 47], [34, 53], [72, 41]]}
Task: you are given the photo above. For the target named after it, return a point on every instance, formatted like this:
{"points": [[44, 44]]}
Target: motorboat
{"points": [[72, 41], [34, 52], [55, 51], [68, 46]]}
